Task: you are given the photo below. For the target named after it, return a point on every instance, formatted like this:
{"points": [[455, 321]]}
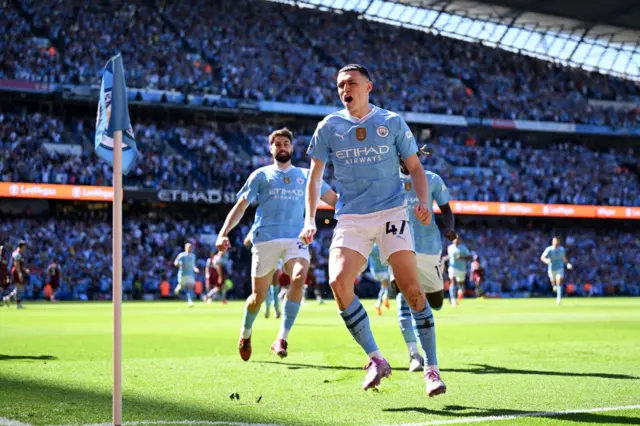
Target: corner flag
{"points": [[113, 115]]}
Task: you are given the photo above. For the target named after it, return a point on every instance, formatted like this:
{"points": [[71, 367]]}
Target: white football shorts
{"points": [[390, 229], [267, 254]]}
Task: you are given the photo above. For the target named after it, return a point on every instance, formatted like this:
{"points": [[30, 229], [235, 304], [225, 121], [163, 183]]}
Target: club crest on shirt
{"points": [[300, 181], [286, 180], [361, 133], [407, 186], [382, 131]]}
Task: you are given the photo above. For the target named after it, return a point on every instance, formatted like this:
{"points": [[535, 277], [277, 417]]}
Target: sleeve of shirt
{"points": [[545, 253], [405, 142], [440, 191], [179, 258], [319, 145], [325, 188], [251, 187]]}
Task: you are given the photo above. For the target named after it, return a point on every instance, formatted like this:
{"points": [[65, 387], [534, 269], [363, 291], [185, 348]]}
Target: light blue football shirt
{"points": [[186, 262], [280, 195], [426, 238], [375, 264], [555, 255], [364, 153], [460, 250]]}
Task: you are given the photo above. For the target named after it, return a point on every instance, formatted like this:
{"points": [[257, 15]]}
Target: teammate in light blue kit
{"points": [[380, 273], [279, 191], [556, 256], [458, 255], [428, 244], [363, 142], [186, 264]]}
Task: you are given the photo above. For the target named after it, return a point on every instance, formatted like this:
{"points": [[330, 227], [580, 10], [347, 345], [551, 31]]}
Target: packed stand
{"points": [[508, 170], [23, 55], [272, 51], [89, 33], [255, 52], [604, 260], [83, 250]]}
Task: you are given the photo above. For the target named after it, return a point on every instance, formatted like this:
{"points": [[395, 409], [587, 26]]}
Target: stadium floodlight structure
{"points": [[596, 37]]}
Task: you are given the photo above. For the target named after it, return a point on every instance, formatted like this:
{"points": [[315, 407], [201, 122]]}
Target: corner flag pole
{"points": [[115, 143], [117, 277]]}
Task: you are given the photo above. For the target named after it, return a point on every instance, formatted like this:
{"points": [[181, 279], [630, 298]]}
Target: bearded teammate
{"points": [[458, 255], [428, 244], [17, 275], [555, 256], [380, 273], [279, 191], [186, 264], [364, 142]]}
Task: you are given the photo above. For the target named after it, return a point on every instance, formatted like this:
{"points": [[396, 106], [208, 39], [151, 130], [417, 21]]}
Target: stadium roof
{"points": [[603, 36]]}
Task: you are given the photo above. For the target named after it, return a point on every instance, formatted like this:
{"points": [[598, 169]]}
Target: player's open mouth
{"points": [[348, 99]]}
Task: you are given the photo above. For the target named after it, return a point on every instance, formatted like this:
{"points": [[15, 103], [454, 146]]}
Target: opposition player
{"points": [[477, 275], [4, 276], [458, 255], [186, 264], [18, 270], [363, 142], [555, 256], [279, 190], [380, 273], [428, 245], [54, 275], [215, 277]]}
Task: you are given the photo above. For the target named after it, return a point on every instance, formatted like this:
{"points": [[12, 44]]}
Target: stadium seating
{"points": [[151, 241], [222, 156], [291, 54]]}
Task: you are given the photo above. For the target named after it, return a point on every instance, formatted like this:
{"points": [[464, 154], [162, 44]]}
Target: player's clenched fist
{"points": [[422, 214], [223, 244], [309, 230]]}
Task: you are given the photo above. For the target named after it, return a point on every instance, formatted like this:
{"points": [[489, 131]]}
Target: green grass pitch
{"points": [[498, 358]]}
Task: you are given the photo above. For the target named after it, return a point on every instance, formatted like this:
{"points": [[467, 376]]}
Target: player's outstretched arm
{"points": [[232, 220], [449, 222], [314, 183], [421, 186]]}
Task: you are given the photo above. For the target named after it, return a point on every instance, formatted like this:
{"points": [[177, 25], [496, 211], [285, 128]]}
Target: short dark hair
{"points": [[281, 132], [356, 67]]}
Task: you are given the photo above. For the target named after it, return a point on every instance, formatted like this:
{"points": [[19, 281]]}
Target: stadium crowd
{"points": [[273, 51], [603, 259], [221, 155]]}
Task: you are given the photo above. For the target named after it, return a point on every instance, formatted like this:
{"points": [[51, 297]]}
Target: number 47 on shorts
{"points": [[392, 229]]}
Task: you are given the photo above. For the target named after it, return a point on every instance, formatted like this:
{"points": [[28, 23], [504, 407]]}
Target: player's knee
{"points": [[257, 298], [338, 285]]}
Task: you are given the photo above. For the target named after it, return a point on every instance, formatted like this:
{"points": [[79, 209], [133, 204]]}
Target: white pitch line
{"points": [[524, 415], [8, 422], [183, 422]]}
